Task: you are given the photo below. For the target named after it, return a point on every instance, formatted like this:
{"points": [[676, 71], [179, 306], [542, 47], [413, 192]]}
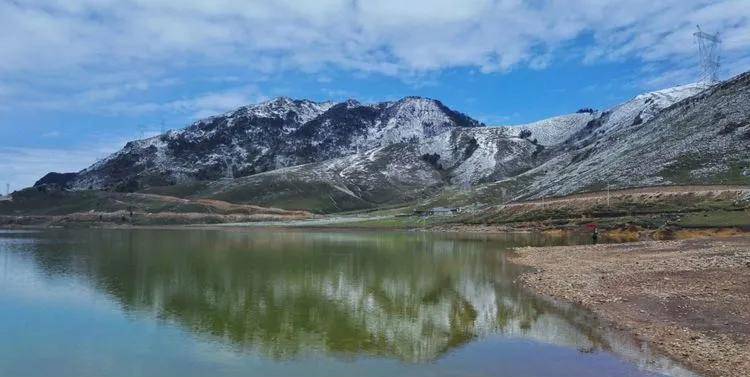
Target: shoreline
{"points": [[688, 299], [607, 235]]}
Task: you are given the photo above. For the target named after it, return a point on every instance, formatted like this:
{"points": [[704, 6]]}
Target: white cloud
{"points": [[215, 103], [116, 100], [197, 107]]}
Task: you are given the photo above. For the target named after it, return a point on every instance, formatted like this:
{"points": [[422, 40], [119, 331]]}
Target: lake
{"points": [[266, 302]]}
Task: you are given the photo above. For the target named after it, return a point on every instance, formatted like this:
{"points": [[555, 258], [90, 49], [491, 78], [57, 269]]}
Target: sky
{"points": [[79, 78]]}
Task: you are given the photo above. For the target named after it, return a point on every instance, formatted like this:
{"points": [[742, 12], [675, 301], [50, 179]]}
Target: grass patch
{"points": [[180, 190], [716, 219], [680, 172], [400, 222]]}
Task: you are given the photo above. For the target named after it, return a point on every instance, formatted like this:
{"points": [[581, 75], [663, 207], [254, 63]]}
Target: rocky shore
{"points": [[689, 298]]}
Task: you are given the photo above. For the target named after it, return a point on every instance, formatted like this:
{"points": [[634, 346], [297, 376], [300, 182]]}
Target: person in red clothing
{"points": [[594, 232]]}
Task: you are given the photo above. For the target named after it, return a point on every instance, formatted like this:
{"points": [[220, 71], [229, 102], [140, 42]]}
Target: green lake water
{"points": [[264, 302]]}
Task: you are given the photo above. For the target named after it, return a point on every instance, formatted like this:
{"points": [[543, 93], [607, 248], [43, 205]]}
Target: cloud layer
{"points": [[99, 47], [388, 36]]}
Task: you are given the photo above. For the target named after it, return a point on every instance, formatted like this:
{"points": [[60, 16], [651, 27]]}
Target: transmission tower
{"points": [[708, 49]]}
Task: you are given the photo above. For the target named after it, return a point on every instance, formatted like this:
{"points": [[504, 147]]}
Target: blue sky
{"points": [[78, 78]]}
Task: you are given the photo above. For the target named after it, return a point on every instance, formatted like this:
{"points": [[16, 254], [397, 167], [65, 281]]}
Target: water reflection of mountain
{"points": [[409, 296]]}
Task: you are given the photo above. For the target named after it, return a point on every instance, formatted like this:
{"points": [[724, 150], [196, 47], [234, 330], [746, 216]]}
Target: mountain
{"points": [[268, 136], [330, 157], [680, 136]]}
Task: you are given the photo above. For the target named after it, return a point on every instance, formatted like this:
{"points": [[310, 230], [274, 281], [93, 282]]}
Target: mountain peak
{"points": [[281, 107], [417, 100], [351, 102]]}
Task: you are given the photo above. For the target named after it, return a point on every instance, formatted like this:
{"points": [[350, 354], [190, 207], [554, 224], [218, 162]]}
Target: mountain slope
{"points": [[388, 175], [268, 136], [684, 135], [702, 139], [553, 130]]}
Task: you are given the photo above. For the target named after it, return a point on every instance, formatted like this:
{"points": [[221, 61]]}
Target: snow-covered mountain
{"points": [[338, 156], [268, 136], [691, 134]]}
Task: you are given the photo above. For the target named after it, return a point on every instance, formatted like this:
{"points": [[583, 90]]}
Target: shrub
{"points": [[432, 159]]}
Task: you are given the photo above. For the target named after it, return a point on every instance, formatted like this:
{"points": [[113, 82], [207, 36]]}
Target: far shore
{"points": [[383, 222]]}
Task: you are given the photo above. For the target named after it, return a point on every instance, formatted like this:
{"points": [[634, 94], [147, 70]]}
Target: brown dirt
{"points": [[651, 207], [689, 298], [618, 235], [160, 218]]}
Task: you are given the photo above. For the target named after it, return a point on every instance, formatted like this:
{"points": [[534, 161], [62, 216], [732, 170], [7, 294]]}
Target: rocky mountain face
{"points": [[332, 157], [268, 136], [698, 136]]}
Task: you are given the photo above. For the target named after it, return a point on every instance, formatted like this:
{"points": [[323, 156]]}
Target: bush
{"points": [[432, 159], [525, 134]]}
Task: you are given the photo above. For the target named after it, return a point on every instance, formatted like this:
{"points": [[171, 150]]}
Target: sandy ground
{"points": [[689, 298]]}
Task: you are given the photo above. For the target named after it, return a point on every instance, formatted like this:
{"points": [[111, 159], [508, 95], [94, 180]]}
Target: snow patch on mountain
{"points": [[554, 130], [645, 106]]}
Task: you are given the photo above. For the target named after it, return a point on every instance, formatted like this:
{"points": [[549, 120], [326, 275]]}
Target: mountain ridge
{"points": [[267, 136], [369, 155]]}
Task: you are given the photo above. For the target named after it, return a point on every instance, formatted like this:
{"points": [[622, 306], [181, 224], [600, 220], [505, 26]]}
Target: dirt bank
{"points": [[622, 234], [118, 218], [689, 298], [649, 208]]}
